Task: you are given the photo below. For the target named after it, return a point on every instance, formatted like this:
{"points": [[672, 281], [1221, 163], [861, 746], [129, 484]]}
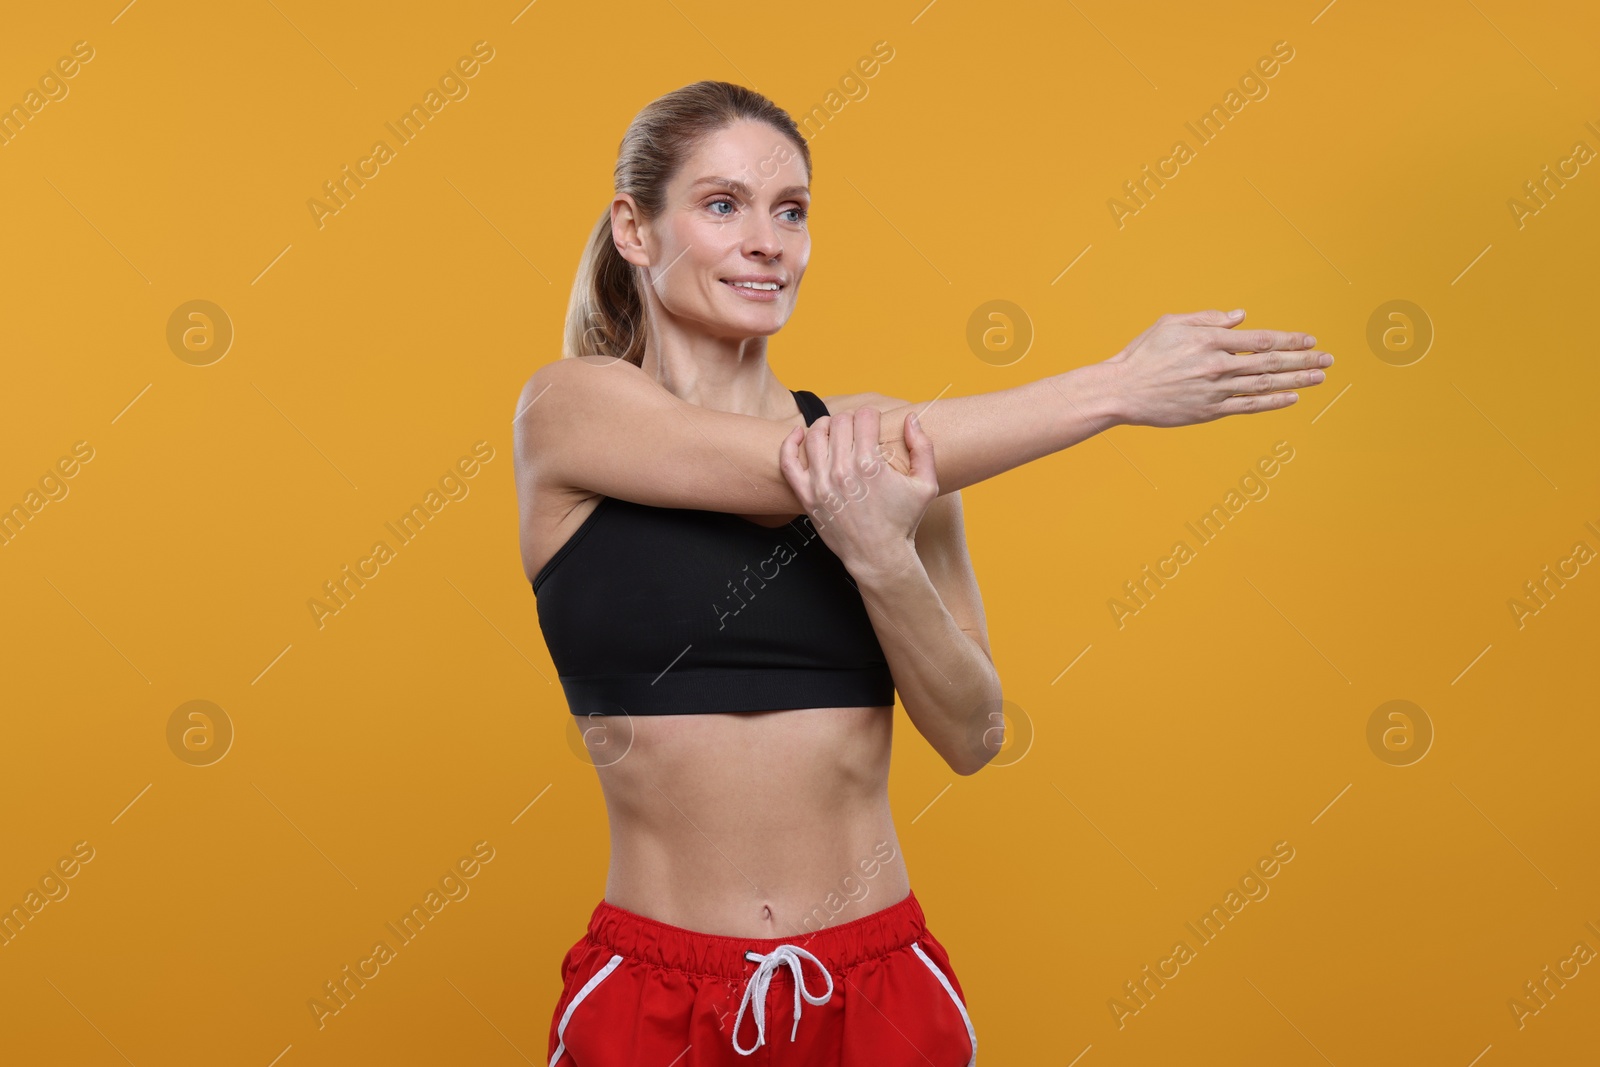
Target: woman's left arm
{"points": [[928, 616], [905, 546]]}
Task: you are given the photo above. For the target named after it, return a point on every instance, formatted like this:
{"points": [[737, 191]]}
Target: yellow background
{"points": [[369, 354]]}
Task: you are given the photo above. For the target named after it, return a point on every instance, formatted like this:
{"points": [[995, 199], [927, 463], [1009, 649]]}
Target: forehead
{"points": [[754, 153]]}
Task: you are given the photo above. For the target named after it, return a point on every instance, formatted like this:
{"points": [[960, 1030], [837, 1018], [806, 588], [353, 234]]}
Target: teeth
{"points": [[756, 285]]}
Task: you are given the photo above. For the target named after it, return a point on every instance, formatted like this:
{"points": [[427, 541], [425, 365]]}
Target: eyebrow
{"points": [[744, 190]]}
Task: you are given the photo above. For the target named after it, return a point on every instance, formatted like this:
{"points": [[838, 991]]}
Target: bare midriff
{"points": [[748, 824], [752, 824]]}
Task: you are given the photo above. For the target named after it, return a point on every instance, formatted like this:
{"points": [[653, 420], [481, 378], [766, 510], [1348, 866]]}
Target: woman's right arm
{"points": [[607, 427]]}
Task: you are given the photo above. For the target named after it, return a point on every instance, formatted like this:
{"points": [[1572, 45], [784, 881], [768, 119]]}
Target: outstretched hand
{"points": [[866, 510], [1184, 369]]}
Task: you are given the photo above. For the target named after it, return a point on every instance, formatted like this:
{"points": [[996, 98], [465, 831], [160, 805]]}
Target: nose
{"points": [[761, 238]]}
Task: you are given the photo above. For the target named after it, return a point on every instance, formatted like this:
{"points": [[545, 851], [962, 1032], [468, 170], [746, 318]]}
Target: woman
{"points": [[743, 751]]}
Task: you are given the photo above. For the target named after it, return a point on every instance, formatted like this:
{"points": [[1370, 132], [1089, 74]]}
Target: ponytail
{"points": [[604, 315]]}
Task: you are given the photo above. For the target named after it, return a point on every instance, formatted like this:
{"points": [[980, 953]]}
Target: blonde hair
{"points": [[605, 315]]}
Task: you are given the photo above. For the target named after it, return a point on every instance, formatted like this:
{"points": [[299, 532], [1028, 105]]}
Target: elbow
{"points": [[972, 761], [980, 743], [967, 768], [983, 737], [977, 756]]}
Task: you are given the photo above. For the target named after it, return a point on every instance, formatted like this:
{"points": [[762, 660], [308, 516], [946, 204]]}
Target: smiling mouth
{"points": [[760, 287]]}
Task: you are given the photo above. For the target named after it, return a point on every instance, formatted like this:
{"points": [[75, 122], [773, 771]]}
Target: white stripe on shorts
{"points": [[566, 1016], [937, 973]]}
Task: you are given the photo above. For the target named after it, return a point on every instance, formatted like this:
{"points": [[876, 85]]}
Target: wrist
{"points": [[1101, 395], [886, 567]]}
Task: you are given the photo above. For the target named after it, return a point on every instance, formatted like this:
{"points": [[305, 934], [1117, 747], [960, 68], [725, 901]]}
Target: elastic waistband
{"points": [[838, 947], [688, 690]]}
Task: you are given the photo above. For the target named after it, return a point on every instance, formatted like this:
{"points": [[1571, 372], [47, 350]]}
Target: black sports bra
{"points": [[678, 611]]}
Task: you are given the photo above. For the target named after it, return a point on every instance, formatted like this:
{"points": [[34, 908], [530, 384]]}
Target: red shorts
{"points": [[877, 991]]}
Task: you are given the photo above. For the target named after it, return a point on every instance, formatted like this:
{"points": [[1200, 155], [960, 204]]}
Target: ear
{"points": [[629, 232]]}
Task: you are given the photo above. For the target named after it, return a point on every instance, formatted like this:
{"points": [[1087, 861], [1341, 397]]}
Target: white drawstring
{"points": [[757, 984]]}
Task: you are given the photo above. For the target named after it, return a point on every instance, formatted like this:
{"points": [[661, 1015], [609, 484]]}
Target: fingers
{"points": [[789, 457], [1227, 340], [1271, 362], [920, 445], [794, 472], [841, 450], [842, 454], [1271, 383], [828, 448], [1208, 318], [1244, 405], [842, 436], [817, 435], [867, 460]]}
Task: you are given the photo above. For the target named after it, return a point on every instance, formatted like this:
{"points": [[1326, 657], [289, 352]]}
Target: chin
{"points": [[773, 321], [740, 330], [755, 322]]}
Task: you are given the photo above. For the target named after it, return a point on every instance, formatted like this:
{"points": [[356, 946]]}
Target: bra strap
{"points": [[811, 405]]}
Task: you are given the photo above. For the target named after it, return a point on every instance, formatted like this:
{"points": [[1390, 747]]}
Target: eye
{"points": [[799, 212], [721, 200]]}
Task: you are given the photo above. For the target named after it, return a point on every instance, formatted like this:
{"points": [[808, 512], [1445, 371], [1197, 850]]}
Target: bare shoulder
{"points": [[526, 420], [569, 374], [538, 384], [565, 397]]}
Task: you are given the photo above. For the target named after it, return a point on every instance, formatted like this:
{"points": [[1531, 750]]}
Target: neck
{"points": [[721, 373]]}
